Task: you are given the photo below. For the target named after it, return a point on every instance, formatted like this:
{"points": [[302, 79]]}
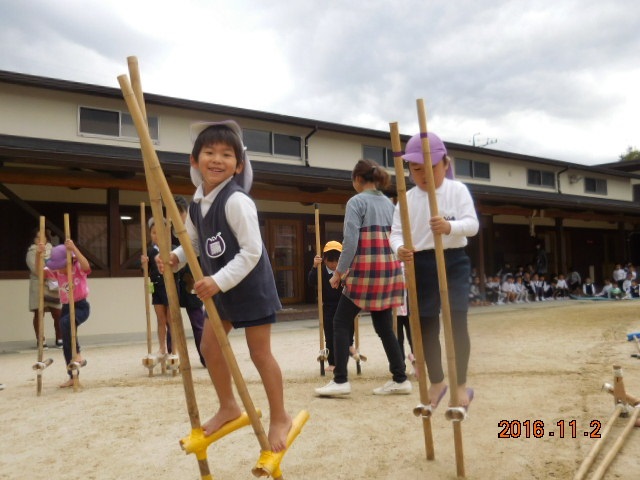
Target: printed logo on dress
{"points": [[215, 246]]}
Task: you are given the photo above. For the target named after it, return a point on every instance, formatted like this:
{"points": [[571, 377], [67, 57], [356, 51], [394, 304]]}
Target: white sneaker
{"points": [[394, 388], [333, 389]]}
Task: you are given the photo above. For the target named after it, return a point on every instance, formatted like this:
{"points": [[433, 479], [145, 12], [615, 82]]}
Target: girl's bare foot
{"points": [[463, 396], [278, 432], [67, 384], [224, 415]]}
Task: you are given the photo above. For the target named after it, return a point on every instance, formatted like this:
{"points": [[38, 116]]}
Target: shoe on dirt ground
{"points": [[333, 389], [394, 388]]}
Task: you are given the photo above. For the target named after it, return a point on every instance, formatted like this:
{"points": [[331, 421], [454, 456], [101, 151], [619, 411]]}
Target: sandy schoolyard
{"points": [[529, 362]]}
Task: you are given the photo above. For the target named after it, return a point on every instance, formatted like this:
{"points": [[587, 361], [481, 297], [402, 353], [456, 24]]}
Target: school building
{"points": [[68, 147]]}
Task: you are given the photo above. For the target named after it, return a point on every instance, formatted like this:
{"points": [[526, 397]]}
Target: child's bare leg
{"points": [[259, 342], [161, 315], [221, 379]]}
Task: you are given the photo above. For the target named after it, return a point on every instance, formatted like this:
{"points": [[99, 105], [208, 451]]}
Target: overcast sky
{"points": [[558, 79]]}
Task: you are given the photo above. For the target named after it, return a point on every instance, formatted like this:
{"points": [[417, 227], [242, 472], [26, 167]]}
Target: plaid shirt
{"points": [[375, 280]]}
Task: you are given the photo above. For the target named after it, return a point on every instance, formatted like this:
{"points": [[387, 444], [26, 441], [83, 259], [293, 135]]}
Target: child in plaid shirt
{"points": [[372, 279], [456, 220]]}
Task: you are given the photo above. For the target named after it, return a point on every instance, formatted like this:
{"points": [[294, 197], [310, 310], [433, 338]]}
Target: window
{"points": [[595, 185], [541, 178], [261, 141], [381, 155], [472, 169], [112, 123]]}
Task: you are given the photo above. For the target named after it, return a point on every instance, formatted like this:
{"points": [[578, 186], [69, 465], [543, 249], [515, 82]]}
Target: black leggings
{"points": [[433, 351]]}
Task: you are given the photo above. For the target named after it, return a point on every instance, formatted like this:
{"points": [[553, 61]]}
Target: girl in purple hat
{"points": [[56, 268], [456, 220]]}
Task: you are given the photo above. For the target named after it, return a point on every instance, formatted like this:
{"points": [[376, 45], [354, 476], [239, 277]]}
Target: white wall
{"points": [[117, 308]]}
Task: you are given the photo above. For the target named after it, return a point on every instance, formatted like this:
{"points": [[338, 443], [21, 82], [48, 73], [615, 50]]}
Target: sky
{"points": [[557, 79]]}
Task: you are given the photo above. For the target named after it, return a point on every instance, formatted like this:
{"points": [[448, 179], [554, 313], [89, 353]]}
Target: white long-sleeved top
{"points": [[242, 216], [454, 204]]}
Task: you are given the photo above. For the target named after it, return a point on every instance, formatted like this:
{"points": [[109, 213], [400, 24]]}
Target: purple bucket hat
{"points": [[58, 258], [244, 178], [413, 151]]}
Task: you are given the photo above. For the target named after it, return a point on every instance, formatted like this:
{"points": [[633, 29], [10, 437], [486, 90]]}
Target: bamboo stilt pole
{"points": [[135, 101], [356, 334], [597, 447], [617, 446], [149, 154], [40, 270], [73, 366], [424, 409], [444, 293], [322, 356], [150, 360]]}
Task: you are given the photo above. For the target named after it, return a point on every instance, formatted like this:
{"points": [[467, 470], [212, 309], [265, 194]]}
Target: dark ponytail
{"points": [[370, 171]]}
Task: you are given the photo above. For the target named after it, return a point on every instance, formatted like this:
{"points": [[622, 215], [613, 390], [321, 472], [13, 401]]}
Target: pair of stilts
{"points": [[269, 462], [42, 363], [626, 406], [167, 361]]}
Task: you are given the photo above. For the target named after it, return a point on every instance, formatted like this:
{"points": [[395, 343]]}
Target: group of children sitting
{"points": [[526, 288]]}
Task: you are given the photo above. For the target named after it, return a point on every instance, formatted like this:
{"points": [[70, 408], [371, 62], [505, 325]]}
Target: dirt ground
{"points": [[529, 362]]}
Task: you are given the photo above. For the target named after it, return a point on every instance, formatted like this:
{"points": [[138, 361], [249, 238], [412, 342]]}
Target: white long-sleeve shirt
{"points": [[454, 204], [242, 217]]}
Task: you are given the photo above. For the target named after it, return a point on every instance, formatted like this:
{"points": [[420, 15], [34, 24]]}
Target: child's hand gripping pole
{"points": [[156, 173], [324, 352], [442, 281], [136, 99], [424, 408], [40, 364]]}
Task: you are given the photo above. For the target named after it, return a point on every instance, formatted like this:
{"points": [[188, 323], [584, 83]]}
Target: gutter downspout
{"points": [[558, 178], [306, 146]]}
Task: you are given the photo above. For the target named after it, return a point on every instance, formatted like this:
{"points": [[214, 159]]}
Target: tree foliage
{"points": [[632, 154]]}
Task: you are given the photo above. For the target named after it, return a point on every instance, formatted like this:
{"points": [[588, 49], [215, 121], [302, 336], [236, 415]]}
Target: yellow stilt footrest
{"points": [[269, 462], [40, 366], [197, 443]]}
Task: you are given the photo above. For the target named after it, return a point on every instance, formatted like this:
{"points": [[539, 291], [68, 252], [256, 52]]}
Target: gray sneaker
{"points": [[333, 389], [394, 388]]}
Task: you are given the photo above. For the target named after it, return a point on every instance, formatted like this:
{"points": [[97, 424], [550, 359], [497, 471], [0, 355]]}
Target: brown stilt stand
{"points": [[626, 405], [41, 364], [323, 353], [266, 465], [73, 366], [424, 408], [151, 360], [444, 294], [357, 356]]}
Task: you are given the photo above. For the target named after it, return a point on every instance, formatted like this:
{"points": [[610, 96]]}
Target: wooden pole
{"points": [[412, 294], [322, 356], [73, 365], [356, 334], [40, 270], [611, 454], [597, 447], [135, 102], [172, 209], [149, 361], [444, 294]]}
